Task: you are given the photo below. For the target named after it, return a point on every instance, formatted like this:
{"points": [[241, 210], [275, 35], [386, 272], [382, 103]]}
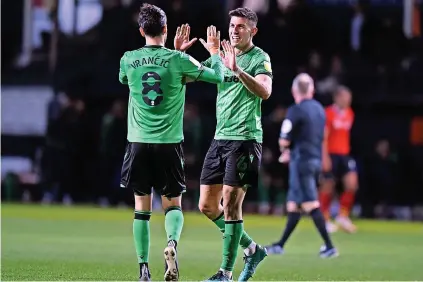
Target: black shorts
{"points": [[232, 162], [341, 165], [158, 166]]}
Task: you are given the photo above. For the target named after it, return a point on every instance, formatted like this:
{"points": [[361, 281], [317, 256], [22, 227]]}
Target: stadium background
{"points": [[63, 126]]}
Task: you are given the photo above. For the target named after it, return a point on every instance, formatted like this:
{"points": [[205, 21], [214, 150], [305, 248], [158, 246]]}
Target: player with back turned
{"points": [[154, 157], [300, 142], [232, 162]]}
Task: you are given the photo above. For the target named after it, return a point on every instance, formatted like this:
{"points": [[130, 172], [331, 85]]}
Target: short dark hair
{"points": [[152, 20], [244, 13], [340, 89]]}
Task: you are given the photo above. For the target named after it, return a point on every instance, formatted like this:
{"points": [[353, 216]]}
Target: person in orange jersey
{"points": [[337, 163]]}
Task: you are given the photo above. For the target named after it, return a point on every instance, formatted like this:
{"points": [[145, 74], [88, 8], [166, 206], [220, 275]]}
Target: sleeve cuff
{"points": [[266, 73], [215, 57]]}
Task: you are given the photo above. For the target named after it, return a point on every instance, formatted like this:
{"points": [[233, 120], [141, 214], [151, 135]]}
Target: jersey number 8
{"points": [[147, 87]]}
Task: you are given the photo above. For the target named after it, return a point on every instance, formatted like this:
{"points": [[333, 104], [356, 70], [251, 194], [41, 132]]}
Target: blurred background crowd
{"points": [[63, 109]]}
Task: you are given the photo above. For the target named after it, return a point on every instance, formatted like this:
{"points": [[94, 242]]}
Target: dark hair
{"points": [[152, 20], [341, 88], [245, 13]]}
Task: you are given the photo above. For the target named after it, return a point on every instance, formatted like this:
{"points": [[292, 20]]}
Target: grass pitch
{"points": [[83, 243]]}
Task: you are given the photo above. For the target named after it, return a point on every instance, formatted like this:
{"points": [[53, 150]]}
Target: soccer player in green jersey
{"points": [[232, 162], [154, 157]]}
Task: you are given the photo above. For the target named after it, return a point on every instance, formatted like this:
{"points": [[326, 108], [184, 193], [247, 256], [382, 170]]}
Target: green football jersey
{"points": [[156, 77], [238, 111]]}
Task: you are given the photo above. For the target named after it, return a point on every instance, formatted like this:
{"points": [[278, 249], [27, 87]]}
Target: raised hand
{"points": [[213, 40], [181, 41], [228, 56]]}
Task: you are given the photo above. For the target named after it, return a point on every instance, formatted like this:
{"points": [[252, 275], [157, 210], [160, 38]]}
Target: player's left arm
{"points": [[123, 78], [260, 82], [260, 85]]}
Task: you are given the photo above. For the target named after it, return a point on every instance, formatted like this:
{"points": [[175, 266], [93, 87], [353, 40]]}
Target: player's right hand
{"points": [[213, 40], [228, 56], [181, 41]]}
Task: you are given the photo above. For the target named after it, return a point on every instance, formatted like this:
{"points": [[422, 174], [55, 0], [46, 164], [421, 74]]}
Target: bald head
{"points": [[303, 85]]}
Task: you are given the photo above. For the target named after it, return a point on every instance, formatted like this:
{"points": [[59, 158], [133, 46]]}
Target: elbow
{"points": [[266, 95], [123, 80]]}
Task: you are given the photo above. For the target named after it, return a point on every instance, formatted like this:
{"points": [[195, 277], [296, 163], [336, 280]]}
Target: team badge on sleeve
{"points": [[268, 66]]}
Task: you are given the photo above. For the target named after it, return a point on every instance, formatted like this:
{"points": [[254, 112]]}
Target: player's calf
{"points": [[325, 196], [254, 254], [209, 205], [313, 208], [347, 201], [141, 233], [234, 227]]}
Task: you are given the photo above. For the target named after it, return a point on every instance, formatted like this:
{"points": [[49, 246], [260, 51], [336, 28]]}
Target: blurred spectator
{"points": [[64, 154], [357, 22], [328, 84], [112, 148], [56, 105], [381, 169], [259, 6], [274, 174]]}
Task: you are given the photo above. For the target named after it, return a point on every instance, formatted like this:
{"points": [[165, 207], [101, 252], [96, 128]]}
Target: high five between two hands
{"points": [[213, 43]]}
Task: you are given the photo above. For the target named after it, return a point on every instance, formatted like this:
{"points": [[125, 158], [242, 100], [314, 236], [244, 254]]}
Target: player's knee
{"points": [[351, 181], [142, 203], [168, 202], [309, 206], [210, 209], [292, 207], [327, 186]]}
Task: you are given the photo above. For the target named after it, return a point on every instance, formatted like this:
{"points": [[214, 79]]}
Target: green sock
{"points": [[141, 229], [231, 237], [174, 221], [245, 238]]}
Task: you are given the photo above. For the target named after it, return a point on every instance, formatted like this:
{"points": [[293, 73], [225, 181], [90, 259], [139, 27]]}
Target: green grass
{"points": [[83, 243]]}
